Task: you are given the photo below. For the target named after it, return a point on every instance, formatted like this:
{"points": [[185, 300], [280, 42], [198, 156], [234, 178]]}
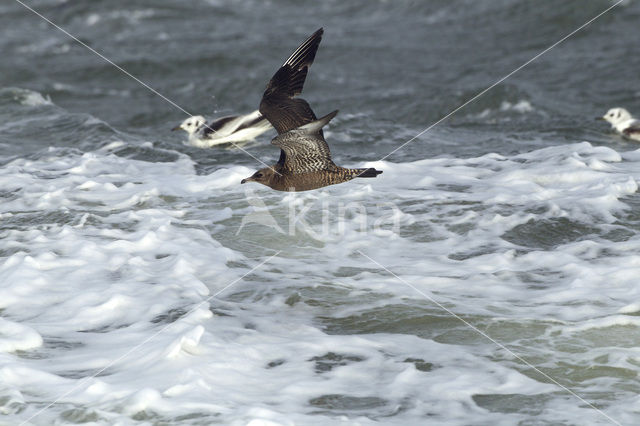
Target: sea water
{"points": [[488, 276]]}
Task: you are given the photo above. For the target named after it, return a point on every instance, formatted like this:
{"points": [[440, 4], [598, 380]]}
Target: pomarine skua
{"points": [[305, 160], [232, 128]]}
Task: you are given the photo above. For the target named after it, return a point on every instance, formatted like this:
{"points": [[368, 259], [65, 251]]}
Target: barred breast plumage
{"points": [[305, 159]]}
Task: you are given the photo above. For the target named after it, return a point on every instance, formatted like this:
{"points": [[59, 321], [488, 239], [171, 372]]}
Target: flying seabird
{"points": [[233, 128], [622, 121], [305, 160]]}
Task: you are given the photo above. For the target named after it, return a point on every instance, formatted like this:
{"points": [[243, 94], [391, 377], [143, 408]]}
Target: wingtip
{"points": [[306, 52], [315, 125], [318, 34], [327, 118]]}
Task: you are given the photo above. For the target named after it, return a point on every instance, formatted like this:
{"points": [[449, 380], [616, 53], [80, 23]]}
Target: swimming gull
{"points": [[622, 121], [233, 128]]}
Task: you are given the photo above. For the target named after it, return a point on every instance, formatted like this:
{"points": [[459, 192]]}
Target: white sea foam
{"points": [[29, 97], [131, 16], [15, 336], [521, 106], [103, 253]]}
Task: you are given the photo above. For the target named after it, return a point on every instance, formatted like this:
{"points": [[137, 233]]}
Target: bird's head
{"points": [[617, 115], [191, 124], [263, 176]]}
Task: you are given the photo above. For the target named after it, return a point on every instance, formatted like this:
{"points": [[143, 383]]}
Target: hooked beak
{"points": [[245, 180], [176, 128], [599, 118]]}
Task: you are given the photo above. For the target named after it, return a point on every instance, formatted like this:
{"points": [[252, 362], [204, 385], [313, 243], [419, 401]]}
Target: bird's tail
{"points": [[365, 173]]}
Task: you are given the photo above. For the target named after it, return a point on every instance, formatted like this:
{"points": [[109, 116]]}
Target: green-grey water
{"points": [[488, 276]]}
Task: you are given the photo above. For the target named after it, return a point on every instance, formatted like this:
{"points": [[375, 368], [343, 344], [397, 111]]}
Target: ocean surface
{"points": [[490, 275]]}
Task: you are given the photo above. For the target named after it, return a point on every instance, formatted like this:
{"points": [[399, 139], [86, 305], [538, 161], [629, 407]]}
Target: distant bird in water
{"points": [[233, 128], [622, 121], [305, 161]]}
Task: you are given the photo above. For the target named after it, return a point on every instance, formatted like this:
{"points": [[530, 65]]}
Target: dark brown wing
{"points": [[278, 104], [305, 147], [632, 130]]}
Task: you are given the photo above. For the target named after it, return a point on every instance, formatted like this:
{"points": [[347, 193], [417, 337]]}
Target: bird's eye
{"points": [[258, 175]]}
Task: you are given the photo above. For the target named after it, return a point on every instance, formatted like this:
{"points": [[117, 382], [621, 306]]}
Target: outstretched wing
{"points": [[278, 104], [305, 147]]}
